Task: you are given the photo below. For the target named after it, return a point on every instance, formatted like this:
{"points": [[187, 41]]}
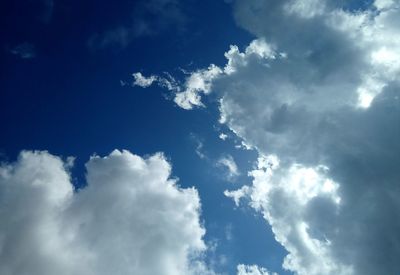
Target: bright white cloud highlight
{"points": [[223, 136], [131, 218], [197, 83], [284, 197]]}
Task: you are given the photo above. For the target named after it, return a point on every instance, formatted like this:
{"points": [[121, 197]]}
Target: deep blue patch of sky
{"points": [[65, 97]]}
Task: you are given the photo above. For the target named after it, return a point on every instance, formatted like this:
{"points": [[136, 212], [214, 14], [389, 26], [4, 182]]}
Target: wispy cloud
{"points": [[148, 18], [199, 146], [24, 50], [228, 163]]}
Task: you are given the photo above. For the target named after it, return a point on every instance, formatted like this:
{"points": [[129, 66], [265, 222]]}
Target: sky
{"points": [[211, 137]]}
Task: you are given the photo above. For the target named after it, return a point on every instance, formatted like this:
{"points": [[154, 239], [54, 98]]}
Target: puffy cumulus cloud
{"points": [[287, 198], [319, 90], [252, 270], [131, 218], [329, 110], [336, 210], [321, 36], [230, 165]]}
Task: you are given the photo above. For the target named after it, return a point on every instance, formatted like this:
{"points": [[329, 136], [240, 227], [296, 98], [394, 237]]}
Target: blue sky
{"points": [[310, 84]]}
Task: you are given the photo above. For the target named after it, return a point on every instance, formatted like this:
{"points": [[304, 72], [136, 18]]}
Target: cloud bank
{"points": [[325, 119], [131, 218], [317, 95]]}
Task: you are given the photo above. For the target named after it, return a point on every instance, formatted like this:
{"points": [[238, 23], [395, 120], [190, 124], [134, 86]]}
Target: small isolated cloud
{"points": [[24, 50], [228, 163], [252, 270], [131, 218], [223, 136]]}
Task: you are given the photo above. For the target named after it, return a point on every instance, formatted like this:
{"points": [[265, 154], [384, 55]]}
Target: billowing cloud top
{"points": [[131, 218]]}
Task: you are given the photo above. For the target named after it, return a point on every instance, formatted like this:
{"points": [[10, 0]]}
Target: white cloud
{"points": [[223, 136], [252, 270], [330, 111], [319, 90], [230, 165], [167, 82], [142, 81], [131, 218], [286, 198], [197, 83], [238, 194], [187, 94]]}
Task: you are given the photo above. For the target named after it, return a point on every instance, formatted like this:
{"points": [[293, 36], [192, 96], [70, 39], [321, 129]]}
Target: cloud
{"points": [[142, 81], [197, 83], [230, 166], [187, 94], [287, 198], [252, 270], [329, 109], [148, 18], [223, 136], [24, 50], [317, 95], [199, 149], [131, 218], [167, 82]]}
